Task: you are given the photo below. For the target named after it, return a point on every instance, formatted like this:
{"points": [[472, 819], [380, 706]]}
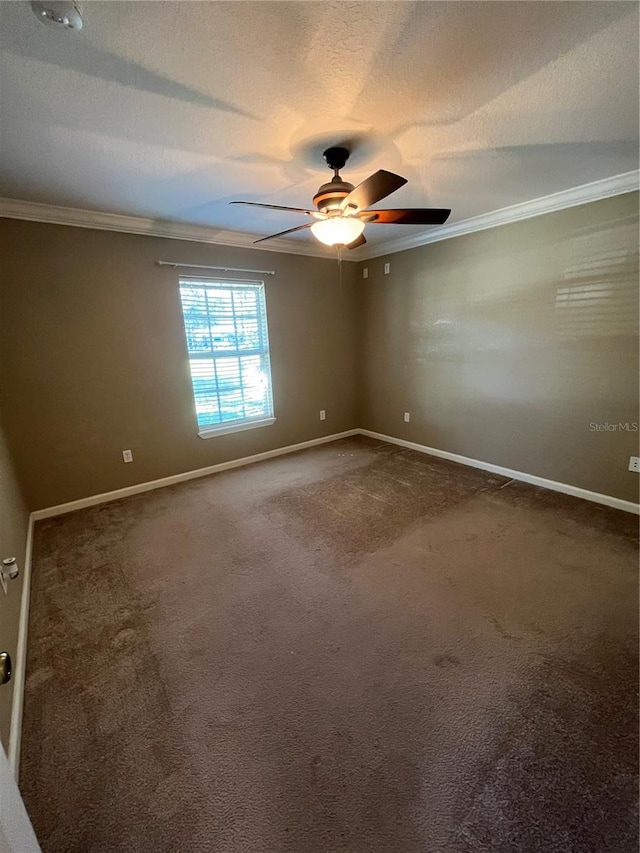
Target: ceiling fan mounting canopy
{"points": [[341, 212], [336, 158]]}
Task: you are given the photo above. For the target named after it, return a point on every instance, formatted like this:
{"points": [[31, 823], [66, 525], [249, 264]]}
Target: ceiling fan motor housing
{"points": [[329, 196]]}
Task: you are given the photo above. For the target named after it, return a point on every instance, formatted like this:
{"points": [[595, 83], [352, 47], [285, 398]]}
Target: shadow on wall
{"points": [[600, 295], [506, 345]]}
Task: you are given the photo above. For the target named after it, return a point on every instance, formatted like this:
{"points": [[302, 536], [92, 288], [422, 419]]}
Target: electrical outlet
{"points": [[323, 415], [387, 269], [407, 417], [127, 456], [365, 272], [634, 464]]}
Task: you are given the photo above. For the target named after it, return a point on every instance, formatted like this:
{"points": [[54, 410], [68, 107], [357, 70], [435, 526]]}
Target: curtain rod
{"points": [[207, 267]]}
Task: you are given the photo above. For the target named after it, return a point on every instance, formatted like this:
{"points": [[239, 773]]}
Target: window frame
{"points": [[238, 424]]}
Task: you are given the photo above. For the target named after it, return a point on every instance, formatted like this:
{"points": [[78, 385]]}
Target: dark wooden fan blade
{"points": [[406, 216], [282, 233], [276, 207], [373, 189], [359, 241]]}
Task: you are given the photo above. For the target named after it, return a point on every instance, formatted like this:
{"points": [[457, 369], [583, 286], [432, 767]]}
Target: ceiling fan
{"points": [[342, 208]]}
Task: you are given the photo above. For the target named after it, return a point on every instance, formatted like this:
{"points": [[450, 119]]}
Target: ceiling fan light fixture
{"points": [[342, 208], [337, 230]]}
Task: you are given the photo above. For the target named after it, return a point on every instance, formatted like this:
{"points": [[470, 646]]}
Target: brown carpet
{"points": [[355, 648]]}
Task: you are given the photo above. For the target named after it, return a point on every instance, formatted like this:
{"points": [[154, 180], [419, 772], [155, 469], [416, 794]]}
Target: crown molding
{"points": [[76, 217], [605, 188]]}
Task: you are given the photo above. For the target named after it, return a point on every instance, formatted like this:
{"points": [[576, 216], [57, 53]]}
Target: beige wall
{"points": [[94, 357], [14, 520], [507, 344]]}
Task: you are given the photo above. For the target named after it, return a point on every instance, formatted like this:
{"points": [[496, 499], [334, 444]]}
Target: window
{"points": [[228, 343]]}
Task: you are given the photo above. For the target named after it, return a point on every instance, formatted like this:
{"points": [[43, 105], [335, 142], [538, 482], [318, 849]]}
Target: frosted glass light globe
{"points": [[337, 230]]}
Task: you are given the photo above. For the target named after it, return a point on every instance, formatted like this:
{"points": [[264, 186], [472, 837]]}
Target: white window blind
{"points": [[228, 343]]}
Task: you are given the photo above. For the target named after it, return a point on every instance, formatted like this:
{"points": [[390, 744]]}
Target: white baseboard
{"points": [[15, 735], [138, 488], [532, 479]]}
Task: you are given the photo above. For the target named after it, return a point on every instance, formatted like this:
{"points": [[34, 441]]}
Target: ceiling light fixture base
{"points": [[62, 14]]}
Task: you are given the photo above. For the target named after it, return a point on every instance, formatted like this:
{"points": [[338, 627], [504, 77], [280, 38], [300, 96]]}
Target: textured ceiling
{"points": [[171, 109]]}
